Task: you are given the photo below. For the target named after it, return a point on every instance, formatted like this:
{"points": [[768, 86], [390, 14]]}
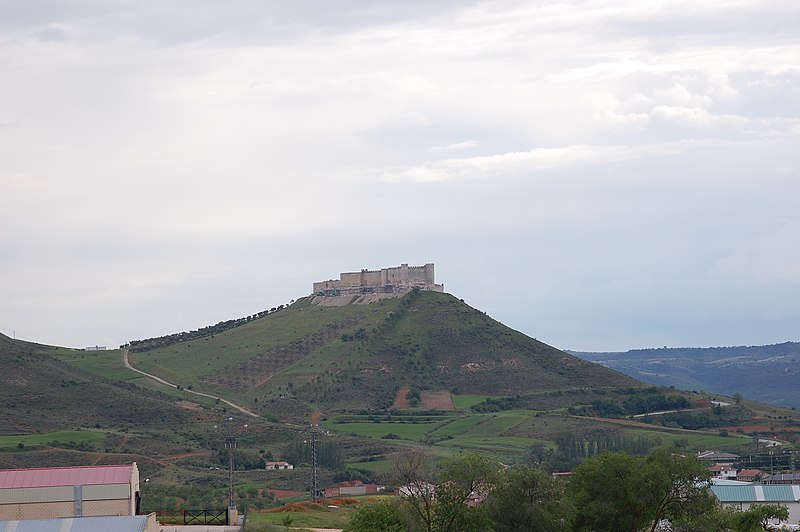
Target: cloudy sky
{"points": [[599, 174]]}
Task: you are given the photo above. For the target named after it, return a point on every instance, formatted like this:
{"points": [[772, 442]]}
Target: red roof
{"points": [[65, 476], [749, 472]]}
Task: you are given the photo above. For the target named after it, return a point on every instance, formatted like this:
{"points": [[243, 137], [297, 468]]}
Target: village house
{"points": [[717, 457], [274, 466], [749, 475], [723, 471], [350, 488]]}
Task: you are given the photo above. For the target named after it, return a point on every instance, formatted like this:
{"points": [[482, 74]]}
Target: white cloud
{"points": [[160, 148]]}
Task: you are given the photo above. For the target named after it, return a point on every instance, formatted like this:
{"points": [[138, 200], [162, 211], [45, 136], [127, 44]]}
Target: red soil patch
{"points": [[188, 405], [436, 401], [401, 399]]}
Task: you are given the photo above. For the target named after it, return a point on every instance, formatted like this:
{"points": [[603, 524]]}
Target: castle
{"points": [[398, 280]]}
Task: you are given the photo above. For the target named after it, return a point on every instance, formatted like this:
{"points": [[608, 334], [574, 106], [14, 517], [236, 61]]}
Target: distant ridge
{"points": [[767, 373]]}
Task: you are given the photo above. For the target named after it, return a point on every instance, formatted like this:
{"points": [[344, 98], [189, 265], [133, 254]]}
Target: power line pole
{"points": [[230, 430], [230, 445], [314, 432], [314, 474]]}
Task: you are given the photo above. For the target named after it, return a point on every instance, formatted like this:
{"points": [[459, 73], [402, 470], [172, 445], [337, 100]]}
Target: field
{"points": [[63, 437], [402, 431], [333, 513], [503, 435], [107, 363]]}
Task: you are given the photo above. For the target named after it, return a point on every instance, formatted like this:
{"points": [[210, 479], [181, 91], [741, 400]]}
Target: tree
{"points": [[415, 479], [615, 491], [758, 516], [377, 517], [605, 490], [460, 477], [525, 497], [678, 485]]}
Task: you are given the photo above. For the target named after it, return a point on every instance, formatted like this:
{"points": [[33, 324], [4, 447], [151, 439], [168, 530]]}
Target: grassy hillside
{"points": [[358, 356], [55, 414], [424, 371], [40, 393]]}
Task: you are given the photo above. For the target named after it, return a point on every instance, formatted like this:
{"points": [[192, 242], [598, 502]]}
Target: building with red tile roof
{"points": [[55, 492]]}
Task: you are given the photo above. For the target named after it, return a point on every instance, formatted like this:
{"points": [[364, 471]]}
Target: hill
{"points": [[763, 373], [41, 393], [54, 413], [309, 357], [423, 371]]}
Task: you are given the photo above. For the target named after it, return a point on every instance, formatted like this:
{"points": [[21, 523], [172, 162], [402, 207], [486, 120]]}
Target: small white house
{"points": [[278, 465], [726, 471]]}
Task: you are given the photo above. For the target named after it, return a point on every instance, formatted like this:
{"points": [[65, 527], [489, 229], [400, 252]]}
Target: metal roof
{"points": [[133, 523], [757, 493], [65, 476]]}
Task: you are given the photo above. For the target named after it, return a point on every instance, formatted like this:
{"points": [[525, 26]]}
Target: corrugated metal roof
{"points": [[65, 476], [134, 523], [757, 493]]}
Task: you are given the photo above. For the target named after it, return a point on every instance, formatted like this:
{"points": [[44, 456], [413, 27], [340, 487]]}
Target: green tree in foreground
{"points": [[615, 491], [758, 516], [460, 477], [377, 517], [527, 498]]}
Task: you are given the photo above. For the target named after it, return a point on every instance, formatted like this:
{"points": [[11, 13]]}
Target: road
{"points": [[162, 381], [655, 413]]}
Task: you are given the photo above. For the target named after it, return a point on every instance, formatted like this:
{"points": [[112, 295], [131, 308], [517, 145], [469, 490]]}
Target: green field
{"points": [[378, 466], [107, 364], [325, 515], [31, 440], [464, 402], [694, 440], [184, 362], [405, 431]]}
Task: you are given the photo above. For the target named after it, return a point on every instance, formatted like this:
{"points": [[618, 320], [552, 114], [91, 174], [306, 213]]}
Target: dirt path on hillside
{"points": [[128, 365]]}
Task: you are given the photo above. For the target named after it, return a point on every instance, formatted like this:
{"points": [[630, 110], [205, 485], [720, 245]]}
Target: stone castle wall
{"points": [[400, 279]]}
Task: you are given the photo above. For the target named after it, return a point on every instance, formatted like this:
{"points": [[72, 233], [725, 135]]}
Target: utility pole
{"points": [[314, 432], [230, 445], [314, 474], [230, 430]]}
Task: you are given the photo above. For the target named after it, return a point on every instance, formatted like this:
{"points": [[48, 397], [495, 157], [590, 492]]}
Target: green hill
{"points": [[55, 414], [423, 371], [336, 358], [41, 393]]}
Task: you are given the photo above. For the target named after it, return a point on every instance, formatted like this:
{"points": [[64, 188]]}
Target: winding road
{"points": [[128, 365]]}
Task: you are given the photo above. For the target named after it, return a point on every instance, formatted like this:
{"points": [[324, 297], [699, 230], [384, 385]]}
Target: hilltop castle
{"points": [[398, 280]]}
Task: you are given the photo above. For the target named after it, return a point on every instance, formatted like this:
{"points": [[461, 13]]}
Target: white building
{"points": [[273, 466]]}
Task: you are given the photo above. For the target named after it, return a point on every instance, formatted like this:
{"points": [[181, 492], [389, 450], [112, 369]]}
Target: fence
{"points": [[193, 517]]}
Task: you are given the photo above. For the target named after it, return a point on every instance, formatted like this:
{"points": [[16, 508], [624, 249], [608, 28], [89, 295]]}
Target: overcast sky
{"points": [[599, 174]]}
